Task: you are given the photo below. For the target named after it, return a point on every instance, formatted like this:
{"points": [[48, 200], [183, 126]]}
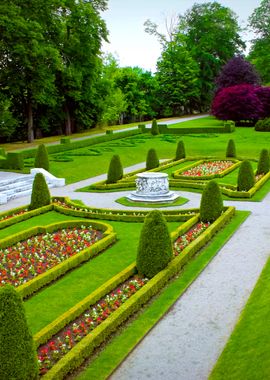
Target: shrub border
{"points": [[84, 348]]}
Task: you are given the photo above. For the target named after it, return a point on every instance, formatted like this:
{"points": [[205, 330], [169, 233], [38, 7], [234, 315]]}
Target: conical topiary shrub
{"points": [[115, 171], [231, 151], [42, 158], [154, 128], [155, 246], [40, 192], [264, 162], [152, 160], [246, 178], [180, 150], [18, 356], [211, 202]]}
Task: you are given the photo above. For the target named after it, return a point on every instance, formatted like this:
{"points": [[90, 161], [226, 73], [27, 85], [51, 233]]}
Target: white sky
{"points": [[134, 47]]}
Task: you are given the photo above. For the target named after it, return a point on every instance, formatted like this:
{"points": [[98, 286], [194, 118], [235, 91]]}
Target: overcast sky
{"points": [[134, 47]]}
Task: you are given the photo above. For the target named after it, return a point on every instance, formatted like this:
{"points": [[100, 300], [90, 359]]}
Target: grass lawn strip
{"points": [[105, 362], [246, 355], [125, 202]]}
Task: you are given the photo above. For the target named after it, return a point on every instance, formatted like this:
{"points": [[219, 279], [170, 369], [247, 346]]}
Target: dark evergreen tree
{"points": [[40, 193], [264, 162], [211, 205], [152, 160], [115, 171], [246, 177], [155, 246], [42, 158], [18, 356], [231, 151], [180, 150]]}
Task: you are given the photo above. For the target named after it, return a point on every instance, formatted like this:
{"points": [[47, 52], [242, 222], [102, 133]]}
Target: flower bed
{"points": [[29, 258], [208, 168], [184, 240], [67, 338], [8, 216]]}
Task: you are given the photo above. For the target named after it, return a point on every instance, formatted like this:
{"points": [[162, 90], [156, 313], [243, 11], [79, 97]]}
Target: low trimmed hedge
{"points": [[43, 279], [85, 347], [25, 216], [13, 160], [29, 153]]}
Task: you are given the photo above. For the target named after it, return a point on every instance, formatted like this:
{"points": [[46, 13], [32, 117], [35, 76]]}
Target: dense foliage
{"points": [[115, 171], [263, 93], [237, 71], [152, 160], [18, 357], [237, 103], [40, 192], [246, 177], [231, 150], [180, 150], [155, 247], [211, 205], [264, 162], [42, 158]]}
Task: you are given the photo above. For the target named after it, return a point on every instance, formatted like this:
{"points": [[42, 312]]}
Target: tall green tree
{"points": [[259, 55], [212, 37]]}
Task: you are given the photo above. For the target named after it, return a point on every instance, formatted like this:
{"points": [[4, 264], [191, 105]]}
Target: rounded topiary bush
{"points": [[155, 247], [40, 192], [152, 160], [42, 158], [263, 125], [180, 150], [18, 356], [264, 162], [211, 205], [154, 128], [246, 178], [231, 151], [115, 171]]}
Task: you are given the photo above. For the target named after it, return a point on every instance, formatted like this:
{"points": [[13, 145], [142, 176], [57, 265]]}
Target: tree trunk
{"points": [[30, 129], [67, 121]]}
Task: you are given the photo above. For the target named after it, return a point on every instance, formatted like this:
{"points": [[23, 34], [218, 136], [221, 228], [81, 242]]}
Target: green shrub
{"points": [[152, 160], [15, 161], [231, 151], [18, 357], [180, 150], [65, 140], [263, 125], [42, 158], [40, 193], [211, 202], [115, 171], [264, 162], [154, 128], [246, 178], [155, 246]]}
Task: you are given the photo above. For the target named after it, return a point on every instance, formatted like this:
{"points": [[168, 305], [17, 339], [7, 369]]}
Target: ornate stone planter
{"points": [[152, 187]]}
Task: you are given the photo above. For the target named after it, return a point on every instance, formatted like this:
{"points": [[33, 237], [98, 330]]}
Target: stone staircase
{"points": [[16, 187]]}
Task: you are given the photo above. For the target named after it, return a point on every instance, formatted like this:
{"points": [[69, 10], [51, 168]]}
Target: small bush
{"points": [[115, 171], [42, 158], [246, 178], [152, 160], [263, 125], [155, 246], [180, 150], [18, 356], [154, 128], [15, 160], [264, 162], [231, 151], [211, 205], [40, 193]]}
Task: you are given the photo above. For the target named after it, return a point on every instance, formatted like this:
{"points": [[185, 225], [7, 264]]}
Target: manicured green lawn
{"points": [[126, 202], [119, 347], [206, 122], [246, 355]]}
